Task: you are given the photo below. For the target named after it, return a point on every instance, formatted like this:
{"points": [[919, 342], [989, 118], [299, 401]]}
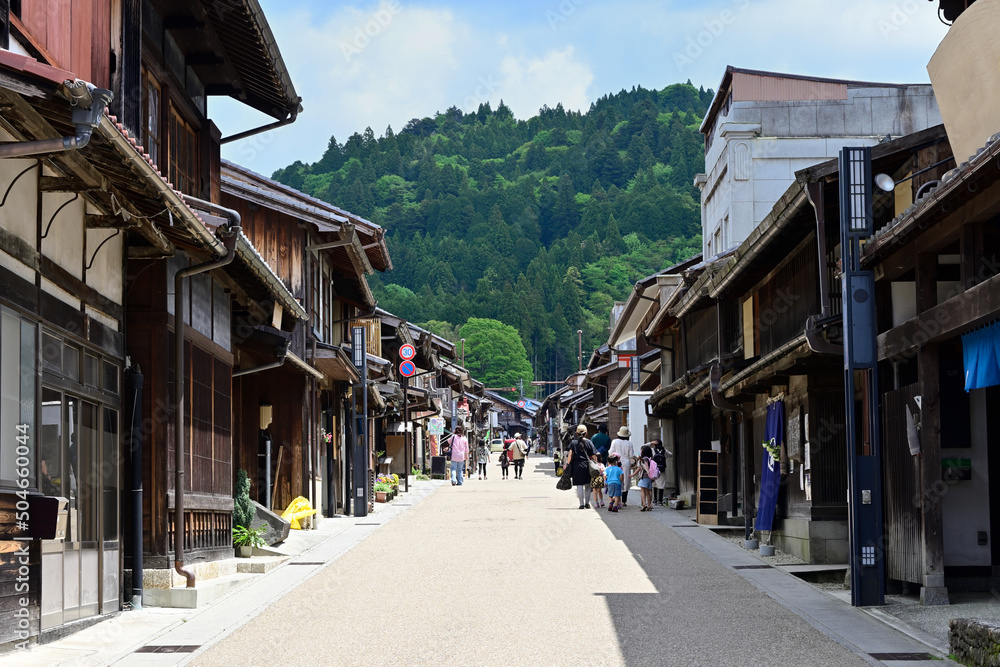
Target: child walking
{"points": [[597, 486], [613, 475], [482, 458], [644, 483], [504, 462]]}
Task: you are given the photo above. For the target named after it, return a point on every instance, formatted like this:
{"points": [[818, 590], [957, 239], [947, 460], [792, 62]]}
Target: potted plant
{"points": [[382, 491], [246, 538]]}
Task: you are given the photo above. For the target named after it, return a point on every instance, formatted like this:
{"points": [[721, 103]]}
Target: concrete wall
{"points": [[759, 146]]}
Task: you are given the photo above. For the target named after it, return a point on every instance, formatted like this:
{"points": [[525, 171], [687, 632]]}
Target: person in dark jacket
{"points": [[581, 450], [602, 442]]}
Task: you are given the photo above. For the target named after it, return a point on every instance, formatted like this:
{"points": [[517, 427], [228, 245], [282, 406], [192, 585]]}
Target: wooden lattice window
{"points": [[182, 154], [151, 132]]}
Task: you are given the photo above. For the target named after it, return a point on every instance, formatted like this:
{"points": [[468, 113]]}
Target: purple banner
{"points": [[770, 477]]}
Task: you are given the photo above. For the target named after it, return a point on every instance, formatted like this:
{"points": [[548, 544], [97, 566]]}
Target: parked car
{"points": [[496, 445]]}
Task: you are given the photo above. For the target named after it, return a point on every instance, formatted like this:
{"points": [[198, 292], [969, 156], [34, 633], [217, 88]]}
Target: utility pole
{"points": [[579, 348]]}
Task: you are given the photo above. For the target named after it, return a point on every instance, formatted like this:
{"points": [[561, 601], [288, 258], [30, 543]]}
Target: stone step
{"points": [[259, 564], [204, 593]]}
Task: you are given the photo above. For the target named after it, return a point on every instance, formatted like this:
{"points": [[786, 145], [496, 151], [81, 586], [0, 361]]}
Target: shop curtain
{"points": [[770, 477], [981, 352]]}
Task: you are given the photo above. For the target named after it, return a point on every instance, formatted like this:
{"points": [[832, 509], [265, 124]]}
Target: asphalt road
{"points": [[511, 572]]}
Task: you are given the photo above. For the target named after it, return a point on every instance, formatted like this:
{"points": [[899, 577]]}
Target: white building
{"points": [[762, 127]]}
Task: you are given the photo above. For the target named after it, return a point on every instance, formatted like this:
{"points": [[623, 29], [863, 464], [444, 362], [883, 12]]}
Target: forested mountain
{"points": [[541, 223]]}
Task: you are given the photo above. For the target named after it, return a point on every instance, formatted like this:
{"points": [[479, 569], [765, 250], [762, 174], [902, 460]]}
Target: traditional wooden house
{"points": [[322, 255], [771, 316]]}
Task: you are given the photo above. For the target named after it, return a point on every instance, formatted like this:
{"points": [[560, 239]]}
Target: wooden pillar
{"points": [[926, 275], [933, 590]]}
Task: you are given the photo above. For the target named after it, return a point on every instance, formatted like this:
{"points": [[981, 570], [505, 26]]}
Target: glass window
{"points": [[10, 392], [110, 378], [71, 466], [110, 476], [88, 451], [50, 443], [52, 352], [151, 115], [71, 362], [91, 372]]}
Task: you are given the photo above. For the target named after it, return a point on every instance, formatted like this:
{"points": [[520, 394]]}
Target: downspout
{"points": [[135, 449], [229, 237], [88, 107], [263, 128]]}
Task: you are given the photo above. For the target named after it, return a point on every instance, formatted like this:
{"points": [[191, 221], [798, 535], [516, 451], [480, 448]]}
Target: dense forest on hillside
{"points": [[541, 223]]}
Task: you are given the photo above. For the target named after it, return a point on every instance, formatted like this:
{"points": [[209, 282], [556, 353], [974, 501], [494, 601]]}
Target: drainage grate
{"points": [[306, 562], [367, 524], [168, 649], [902, 656], [687, 525], [752, 567]]}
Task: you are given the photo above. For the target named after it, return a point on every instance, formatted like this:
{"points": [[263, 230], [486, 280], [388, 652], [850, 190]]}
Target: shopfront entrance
{"points": [[78, 459]]}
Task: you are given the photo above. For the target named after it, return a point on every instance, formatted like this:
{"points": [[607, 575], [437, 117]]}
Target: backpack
{"points": [[654, 470]]}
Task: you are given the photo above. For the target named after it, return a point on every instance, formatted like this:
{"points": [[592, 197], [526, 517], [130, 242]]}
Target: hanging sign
{"points": [[435, 426]]}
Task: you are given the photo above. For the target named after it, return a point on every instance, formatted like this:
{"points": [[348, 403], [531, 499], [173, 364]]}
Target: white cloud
{"points": [[389, 62]]}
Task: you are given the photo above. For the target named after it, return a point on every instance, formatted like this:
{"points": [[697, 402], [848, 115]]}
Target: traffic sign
{"points": [[407, 369], [521, 403], [407, 351]]}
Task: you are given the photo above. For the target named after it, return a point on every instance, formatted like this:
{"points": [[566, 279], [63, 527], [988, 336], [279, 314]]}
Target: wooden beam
{"points": [[64, 184], [962, 311], [109, 222], [926, 278]]}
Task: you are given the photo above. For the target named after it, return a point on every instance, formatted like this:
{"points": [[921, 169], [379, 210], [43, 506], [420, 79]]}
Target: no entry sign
{"points": [[407, 368], [407, 351]]}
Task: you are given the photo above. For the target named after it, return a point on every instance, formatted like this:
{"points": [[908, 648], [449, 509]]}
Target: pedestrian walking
{"points": [[602, 442], [459, 455], [504, 461], [613, 476], [581, 450], [517, 453], [597, 485], [643, 481], [555, 461], [626, 454], [660, 458], [482, 458]]}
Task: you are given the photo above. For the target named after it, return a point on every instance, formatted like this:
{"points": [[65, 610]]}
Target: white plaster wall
{"points": [[637, 418], [50, 287], [64, 243], [965, 506], [19, 214]]}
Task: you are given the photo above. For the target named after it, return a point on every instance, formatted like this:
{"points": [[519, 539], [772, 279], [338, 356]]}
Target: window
{"points": [[151, 117], [17, 395], [182, 154]]}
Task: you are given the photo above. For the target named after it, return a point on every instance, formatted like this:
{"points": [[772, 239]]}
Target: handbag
{"points": [[565, 482], [595, 470]]}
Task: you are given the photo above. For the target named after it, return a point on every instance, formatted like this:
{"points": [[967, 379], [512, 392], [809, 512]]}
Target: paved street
{"points": [[504, 572]]}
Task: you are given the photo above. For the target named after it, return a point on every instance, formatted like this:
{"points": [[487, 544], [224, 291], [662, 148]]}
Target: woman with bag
{"points": [[581, 454]]}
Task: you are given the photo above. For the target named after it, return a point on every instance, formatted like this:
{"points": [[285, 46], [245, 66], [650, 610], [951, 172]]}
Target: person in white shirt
{"points": [[626, 452]]}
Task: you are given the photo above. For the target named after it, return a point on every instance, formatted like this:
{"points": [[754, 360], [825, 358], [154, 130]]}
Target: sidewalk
{"points": [[159, 636], [927, 624]]}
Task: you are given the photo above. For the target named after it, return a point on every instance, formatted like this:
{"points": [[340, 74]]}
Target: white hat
{"points": [[581, 429], [623, 432]]}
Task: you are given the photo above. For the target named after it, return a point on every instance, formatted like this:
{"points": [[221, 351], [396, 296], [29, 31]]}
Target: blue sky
{"points": [[359, 64]]}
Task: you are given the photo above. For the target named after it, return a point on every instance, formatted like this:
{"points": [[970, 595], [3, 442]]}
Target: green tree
{"points": [[495, 354]]}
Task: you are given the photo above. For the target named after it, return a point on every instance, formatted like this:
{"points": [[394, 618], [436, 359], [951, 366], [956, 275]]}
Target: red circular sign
{"points": [[521, 404], [407, 368], [407, 351]]}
